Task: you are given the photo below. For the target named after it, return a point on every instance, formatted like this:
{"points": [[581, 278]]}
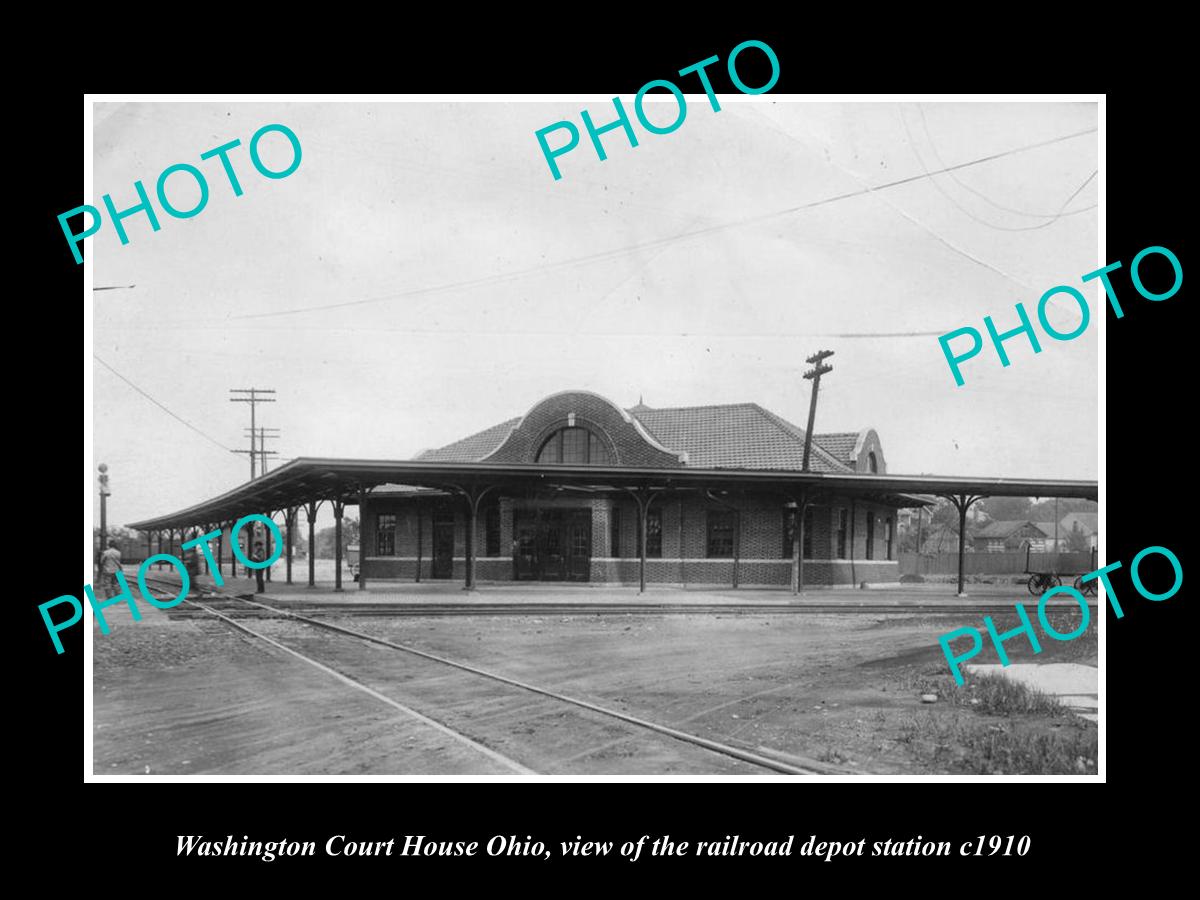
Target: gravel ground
{"points": [[193, 696]]}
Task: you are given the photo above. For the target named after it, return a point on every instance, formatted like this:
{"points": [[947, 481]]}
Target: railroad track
{"points": [[226, 602], [409, 610], [498, 608]]}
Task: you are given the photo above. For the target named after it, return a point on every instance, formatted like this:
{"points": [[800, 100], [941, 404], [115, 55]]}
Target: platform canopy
{"points": [[306, 480]]}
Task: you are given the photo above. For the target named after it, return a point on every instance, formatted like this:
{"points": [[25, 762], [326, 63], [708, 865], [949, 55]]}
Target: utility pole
{"points": [[1056, 532], [254, 399], [262, 451], [814, 374], [104, 494]]}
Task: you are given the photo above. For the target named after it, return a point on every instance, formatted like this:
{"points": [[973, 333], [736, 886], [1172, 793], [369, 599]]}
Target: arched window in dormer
{"points": [[872, 463], [574, 447]]}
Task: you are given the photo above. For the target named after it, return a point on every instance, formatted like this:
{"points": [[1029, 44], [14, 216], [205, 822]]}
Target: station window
{"points": [[887, 536], [653, 534], [789, 532], [870, 535], [491, 530], [614, 532], [385, 534], [721, 528], [843, 527], [574, 447]]}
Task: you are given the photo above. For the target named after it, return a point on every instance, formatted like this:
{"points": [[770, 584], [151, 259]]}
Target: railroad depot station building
{"points": [[592, 533], [581, 490]]}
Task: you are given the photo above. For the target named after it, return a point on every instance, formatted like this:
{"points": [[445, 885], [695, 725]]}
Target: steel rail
{"points": [[491, 754], [686, 737], [412, 610]]}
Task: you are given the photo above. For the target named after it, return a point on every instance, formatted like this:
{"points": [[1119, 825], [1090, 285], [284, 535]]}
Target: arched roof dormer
{"points": [[574, 425]]}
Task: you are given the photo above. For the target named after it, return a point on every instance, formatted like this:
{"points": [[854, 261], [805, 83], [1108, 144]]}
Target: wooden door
{"points": [[578, 545], [443, 550], [552, 557], [525, 560]]}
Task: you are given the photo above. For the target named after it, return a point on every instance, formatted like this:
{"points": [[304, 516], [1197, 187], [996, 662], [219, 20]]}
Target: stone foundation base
{"points": [[708, 573]]}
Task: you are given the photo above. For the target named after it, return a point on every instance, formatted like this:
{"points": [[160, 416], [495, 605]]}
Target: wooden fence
{"points": [[1009, 563]]}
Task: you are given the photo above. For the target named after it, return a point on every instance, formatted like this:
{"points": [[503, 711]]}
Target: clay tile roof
{"points": [[473, 448], [739, 435], [733, 436], [840, 445]]}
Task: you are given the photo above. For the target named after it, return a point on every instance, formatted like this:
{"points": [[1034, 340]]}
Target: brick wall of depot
{"points": [[408, 532], [492, 569], [396, 569], [880, 514], [388, 568], [759, 573], [383, 567], [685, 528], [684, 536], [774, 573]]}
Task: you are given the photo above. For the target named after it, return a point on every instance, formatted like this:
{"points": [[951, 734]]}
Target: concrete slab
{"points": [[1076, 686], [444, 593]]}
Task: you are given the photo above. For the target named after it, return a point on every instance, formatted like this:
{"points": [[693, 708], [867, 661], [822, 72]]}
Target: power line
{"points": [[1086, 182], [711, 229], [263, 437], [907, 215], [966, 212], [819, 368], [981, 195], [254, 399], [160, 406]]}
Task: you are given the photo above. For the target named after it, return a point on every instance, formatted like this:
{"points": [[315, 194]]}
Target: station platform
{"points": [[447, 593]]}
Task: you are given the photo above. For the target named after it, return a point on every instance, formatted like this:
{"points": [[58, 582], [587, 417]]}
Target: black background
{"points": [[1074, 827]]}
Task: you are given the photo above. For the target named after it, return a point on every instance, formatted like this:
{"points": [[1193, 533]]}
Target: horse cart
{"points": [[1040, 582]]}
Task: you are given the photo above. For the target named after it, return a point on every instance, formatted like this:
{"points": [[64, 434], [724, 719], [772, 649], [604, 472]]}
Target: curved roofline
{"points": [[862, 439], [503, 440], [645, 435]]}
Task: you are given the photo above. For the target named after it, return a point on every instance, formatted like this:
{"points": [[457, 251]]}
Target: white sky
{"points": [[392, 200]]}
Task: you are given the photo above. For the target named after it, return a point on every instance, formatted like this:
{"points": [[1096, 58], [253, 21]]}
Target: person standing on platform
{"points": [[191, 564], [259, 555], [110, 565]]}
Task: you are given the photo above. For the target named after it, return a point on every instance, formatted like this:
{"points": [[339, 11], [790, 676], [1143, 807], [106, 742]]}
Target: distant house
{"points": [[1001, 537], [1087, 524], [1048, 529], [940, 539]]}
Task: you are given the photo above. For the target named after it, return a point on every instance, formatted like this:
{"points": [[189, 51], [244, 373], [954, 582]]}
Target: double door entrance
{"points": [[552, 544]]}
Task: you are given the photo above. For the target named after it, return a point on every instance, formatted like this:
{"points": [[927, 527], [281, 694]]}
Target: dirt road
{"points": [[178, 697]]}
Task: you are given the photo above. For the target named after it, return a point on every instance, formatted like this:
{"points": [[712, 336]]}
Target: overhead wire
{"points": [[161, 406], [970, 215], [966, 254], [657, 242], [912, 218], [980, 194]]}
